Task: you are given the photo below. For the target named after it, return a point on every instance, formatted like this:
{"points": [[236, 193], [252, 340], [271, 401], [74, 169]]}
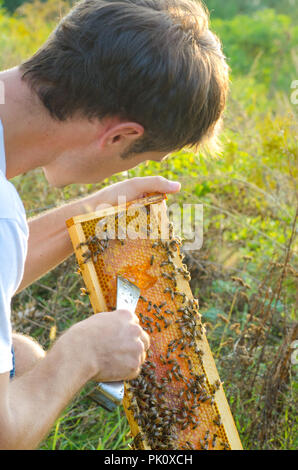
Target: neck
{"points": [[29, 131]]}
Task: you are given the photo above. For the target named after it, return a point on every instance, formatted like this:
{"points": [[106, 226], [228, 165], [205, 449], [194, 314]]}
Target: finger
{"points": [[146, 340], [158, 184], [140, 186]]}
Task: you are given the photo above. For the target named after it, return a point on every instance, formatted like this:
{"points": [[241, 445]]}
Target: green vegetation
{"points": [[245, 275]]}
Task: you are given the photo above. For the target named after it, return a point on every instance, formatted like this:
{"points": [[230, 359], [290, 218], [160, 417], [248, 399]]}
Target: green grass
{"points": [[85, 426]]}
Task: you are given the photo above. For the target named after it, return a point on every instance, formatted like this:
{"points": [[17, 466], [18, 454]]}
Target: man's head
{"points": [[152, 64]]}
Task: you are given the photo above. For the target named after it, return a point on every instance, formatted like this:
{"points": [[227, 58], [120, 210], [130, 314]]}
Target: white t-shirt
{"points": [[13, 250]]}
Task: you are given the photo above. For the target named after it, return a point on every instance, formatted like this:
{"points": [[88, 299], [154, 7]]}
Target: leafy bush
{"points": [[231, 8], [22, 33], [263, 45]]}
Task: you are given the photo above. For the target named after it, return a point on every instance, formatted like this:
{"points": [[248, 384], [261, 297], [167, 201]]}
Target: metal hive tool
{"points": [[177, 402]]}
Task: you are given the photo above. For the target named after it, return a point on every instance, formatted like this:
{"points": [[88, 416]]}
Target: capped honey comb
{"points": [[177, 401]]}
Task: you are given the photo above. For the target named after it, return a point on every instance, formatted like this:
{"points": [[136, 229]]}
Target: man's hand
{"points": [[105, 347], [112, 346], [132, 189]]}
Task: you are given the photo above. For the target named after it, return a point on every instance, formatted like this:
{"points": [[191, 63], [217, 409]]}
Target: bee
{"points": [[151, 364], [204, 444], [165, 263], [183, 295], [158, 327], [141, 317], [225, 446], [167, 323], [202, 398], [199, 352], [173, 245], [189, 445], [81, 244], [171, 361], [157, 309], [163, 304], [171, 228], [170, 255], [168, 290], [200, 378], [137, 440], [155, 244], [149, 306], [185, 425], [214, 440], [157, 316], [84, 291], [217, 384], [183, 355], [172, 342], [169, 312], [167, 276], [87, 255], [176, 375], [182, 310], [148, 319], [196, 405], [151, 260], [217, 420], [132, 407], [143, 298]]}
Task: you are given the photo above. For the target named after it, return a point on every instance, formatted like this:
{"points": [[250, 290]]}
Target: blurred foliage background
{"points": [[245, 275]]}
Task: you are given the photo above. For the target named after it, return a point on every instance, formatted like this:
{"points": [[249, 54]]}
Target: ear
{"points": [[119, 136]]}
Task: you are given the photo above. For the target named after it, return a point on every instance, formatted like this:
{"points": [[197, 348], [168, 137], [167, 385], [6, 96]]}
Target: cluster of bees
{"points": [[96, 247], [161, 416]]}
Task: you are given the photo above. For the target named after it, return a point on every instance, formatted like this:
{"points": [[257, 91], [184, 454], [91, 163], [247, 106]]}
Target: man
{"points": [[117, 83]]}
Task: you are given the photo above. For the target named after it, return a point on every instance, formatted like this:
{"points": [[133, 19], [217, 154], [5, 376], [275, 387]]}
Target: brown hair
{"points": [[154, 62]]}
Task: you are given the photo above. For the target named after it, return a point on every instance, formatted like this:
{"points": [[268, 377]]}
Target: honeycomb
{"points": [[177, 401]]}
